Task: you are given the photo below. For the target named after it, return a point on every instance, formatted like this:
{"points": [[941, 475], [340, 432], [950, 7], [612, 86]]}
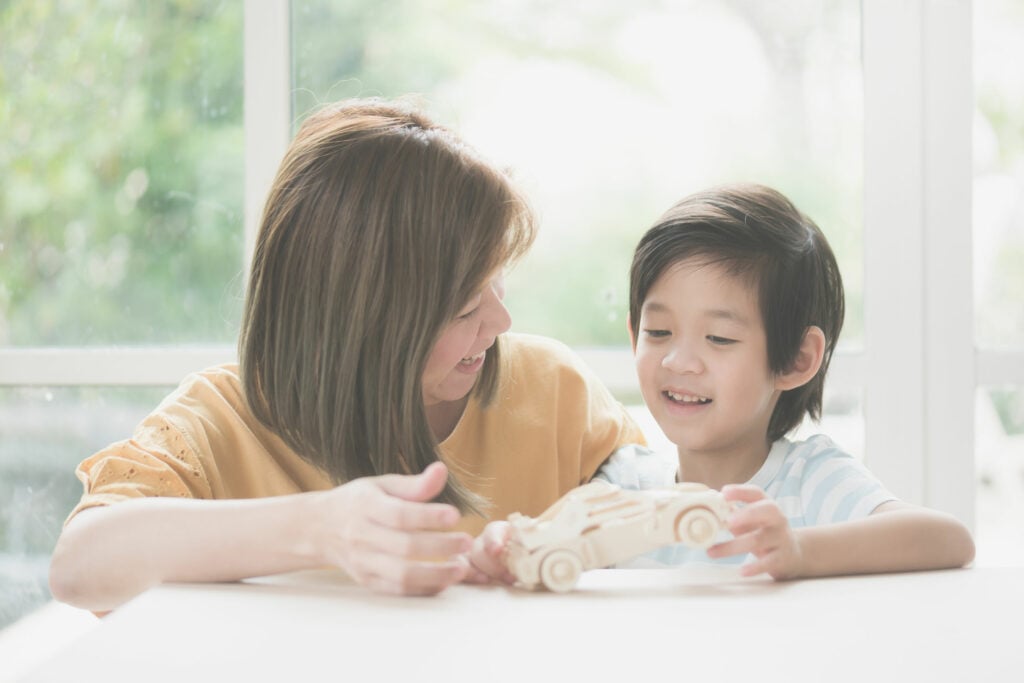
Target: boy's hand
{"points": [[487, 558], [760, 528]]}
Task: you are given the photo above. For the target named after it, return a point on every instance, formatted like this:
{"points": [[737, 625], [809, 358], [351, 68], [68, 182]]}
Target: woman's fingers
{"points": [[392, 540], [417, 544], [389, 574], [416, 487], [396, 513]]}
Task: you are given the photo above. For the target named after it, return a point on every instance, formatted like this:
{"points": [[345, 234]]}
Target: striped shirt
{"points": [[813, 482]]}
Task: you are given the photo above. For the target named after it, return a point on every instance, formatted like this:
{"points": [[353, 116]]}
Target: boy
{"points": [[736, 303]]}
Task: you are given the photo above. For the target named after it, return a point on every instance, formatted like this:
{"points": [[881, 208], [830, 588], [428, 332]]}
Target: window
{"points": [[120, 223], [610, 112], [998, 220]]}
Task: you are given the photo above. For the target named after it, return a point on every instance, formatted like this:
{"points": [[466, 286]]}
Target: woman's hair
{"points": [[757, 234], [380, 226]]}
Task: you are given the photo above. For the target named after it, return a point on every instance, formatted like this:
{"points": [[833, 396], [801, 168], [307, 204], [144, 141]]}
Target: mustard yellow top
{"points": [[550, 427]]}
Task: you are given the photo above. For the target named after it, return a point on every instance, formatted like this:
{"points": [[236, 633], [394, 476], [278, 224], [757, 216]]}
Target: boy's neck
{"points": [[715, 469]]}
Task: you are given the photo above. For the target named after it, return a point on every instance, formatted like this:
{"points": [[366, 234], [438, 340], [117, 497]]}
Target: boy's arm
{"points": [[896, 537]]}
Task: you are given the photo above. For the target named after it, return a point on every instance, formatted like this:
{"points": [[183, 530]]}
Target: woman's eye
{"points": [[469, 314], [722, 341]]}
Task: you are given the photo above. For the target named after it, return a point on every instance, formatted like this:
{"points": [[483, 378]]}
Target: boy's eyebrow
{"points": [[726, 314], [655, 307], [714, 313]]}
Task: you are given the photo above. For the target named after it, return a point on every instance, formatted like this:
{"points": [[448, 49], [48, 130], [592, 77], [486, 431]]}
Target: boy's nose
{"points": [[682, 360]]}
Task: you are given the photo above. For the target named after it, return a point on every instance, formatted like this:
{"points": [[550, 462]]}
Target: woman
{"points": [[373, 379]]}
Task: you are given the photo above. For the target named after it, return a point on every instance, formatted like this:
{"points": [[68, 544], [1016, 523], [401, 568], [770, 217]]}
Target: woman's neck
{"points": [[443, 417]]}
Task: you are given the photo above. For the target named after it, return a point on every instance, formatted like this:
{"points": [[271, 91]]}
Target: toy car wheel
{"points": [[559, 570], [697, 527]]}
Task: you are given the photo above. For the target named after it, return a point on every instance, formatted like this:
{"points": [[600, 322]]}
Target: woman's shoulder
{"points": [[216, 386], [535, 344], [540, 353], [210, 400]]}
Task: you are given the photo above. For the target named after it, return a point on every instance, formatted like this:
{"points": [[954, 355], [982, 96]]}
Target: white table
{"points": [[620, 625]]}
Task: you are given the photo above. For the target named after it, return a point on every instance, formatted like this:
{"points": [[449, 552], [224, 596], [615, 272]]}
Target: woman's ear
{"points": [[807, 362]]}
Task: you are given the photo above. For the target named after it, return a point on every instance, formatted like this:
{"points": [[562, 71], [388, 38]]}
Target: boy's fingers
{"points": [[752, 568], [760, 515], [737, 546], [743, 493]]}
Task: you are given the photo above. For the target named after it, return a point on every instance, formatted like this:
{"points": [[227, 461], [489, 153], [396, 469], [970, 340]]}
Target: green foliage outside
{"points": [[574, 286], [121, 206]]}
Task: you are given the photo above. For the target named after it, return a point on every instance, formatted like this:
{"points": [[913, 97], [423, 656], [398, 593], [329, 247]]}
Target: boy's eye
{"points": [[722, 341], [656, 333]]}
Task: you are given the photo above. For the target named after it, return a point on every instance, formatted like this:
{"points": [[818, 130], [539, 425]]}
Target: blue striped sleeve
{"points": [[835, 486]]}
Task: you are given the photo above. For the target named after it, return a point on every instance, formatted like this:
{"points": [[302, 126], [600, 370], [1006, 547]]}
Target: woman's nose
{"points": [[497, 319]]}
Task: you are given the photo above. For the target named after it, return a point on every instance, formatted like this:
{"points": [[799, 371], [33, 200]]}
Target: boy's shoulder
{"points": [[638, 468], [795, 460], [814, 446]]}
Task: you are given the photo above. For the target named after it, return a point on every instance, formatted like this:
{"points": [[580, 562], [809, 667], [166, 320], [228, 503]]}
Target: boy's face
{"points": [[702, 362]]}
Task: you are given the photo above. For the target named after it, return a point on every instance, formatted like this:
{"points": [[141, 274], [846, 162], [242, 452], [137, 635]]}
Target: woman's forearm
{"points": [[897, 537], [107, 555]]}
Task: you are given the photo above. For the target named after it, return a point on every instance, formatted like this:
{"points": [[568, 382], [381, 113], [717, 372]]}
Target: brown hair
{"points": [[379, 227], [755, 233]]}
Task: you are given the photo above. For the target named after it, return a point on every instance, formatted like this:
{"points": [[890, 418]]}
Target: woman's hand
{"points": [[760, 528], [487, 558], [385, 534]]}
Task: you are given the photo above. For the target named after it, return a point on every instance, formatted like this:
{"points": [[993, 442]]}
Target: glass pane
{"points": [[999, 173], [610, 112], [121, 200], [999, 448], [46, 433]]}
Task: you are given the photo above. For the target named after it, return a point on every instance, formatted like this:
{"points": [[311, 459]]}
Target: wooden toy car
{"points": [[599, 524]]}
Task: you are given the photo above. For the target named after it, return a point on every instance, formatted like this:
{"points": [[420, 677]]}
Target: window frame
{"points": [[919, 368]]}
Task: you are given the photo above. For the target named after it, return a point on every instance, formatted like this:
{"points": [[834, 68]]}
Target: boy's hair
{"points": [[756, 234], [379, 227]]}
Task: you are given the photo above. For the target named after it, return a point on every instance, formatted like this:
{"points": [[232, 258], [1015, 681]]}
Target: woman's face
{"points": [[455, 363]]}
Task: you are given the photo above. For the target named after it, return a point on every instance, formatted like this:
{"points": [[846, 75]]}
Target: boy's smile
{"points": [[684, 398], [702, 362]]}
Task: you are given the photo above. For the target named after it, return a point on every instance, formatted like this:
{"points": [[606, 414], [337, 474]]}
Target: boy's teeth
{"points": [[687, 398]]}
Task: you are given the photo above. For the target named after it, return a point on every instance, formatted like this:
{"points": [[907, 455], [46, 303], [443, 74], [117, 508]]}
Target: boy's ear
{"points": [[629, 329], [807, 362]]}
